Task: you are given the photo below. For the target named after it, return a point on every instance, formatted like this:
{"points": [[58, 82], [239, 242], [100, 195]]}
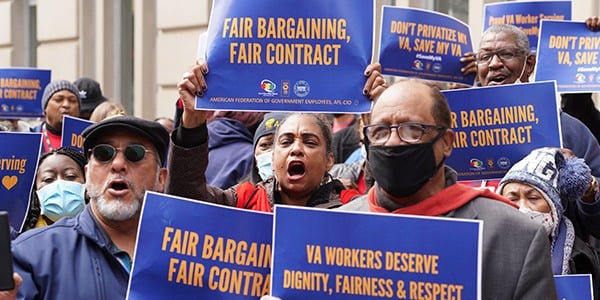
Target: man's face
{"points": [[410, 102], [503, 62], [116, 187], [61, 103]]}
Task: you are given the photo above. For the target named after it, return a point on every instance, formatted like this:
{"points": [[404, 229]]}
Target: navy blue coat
{"points": [[72, 259]]}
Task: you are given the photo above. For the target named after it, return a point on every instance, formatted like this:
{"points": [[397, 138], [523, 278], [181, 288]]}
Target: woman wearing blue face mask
{"points": [[59, 187], [263, 147]]}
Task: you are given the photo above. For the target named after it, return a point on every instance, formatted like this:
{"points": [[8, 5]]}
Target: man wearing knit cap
{"points": [[89, 256], [90, 94], [60, 98]]}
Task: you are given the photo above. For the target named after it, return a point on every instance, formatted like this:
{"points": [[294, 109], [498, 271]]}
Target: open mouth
{"points": [[118, 185], [498, 79], [296, 169]]}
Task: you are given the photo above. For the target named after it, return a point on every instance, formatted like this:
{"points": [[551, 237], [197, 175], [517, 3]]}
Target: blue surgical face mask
{"points": [[61, 198], [363, 152], [263, 163]]}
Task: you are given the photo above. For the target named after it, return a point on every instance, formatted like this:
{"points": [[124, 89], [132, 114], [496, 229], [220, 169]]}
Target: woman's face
{"points": [[300, 157], [264, 145], [526, 195], [55, 167]]}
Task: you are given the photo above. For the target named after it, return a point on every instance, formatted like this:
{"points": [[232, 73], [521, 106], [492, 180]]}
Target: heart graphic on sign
{"points": [[9, 181]]}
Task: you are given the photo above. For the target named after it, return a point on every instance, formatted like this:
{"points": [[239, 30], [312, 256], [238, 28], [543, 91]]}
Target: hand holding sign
{"points": [[193, 84], [593, 23]]}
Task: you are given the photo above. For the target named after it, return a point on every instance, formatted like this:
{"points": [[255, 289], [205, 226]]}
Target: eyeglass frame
{"points": [[423, 128], [493, 53], [116, 151]]}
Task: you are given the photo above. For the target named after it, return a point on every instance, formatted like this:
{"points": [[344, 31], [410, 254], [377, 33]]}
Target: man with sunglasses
{"points": [[407, 142], [504, 58], [89, 256]]}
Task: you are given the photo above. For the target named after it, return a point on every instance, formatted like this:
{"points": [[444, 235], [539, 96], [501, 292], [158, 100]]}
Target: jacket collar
{"points": [[88, 226]]}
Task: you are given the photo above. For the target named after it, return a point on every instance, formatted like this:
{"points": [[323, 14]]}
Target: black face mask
{"points": [[402, 170]]}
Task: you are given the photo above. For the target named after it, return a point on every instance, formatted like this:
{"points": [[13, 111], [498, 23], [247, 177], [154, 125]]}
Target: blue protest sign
{"points": [[21, 91], [576, 286], [190, 249], [19, 154], [526, 15], [72, 129], [328, 254], [294, 56], [425, 44], [497, 126], [568, 53]]}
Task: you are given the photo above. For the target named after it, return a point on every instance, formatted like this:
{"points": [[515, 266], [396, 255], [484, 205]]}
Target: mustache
{"points": [[95, 192]]}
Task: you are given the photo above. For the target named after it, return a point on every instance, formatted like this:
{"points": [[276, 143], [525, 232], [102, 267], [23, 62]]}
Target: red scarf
{"points": [[448, 199], [253, 197]]}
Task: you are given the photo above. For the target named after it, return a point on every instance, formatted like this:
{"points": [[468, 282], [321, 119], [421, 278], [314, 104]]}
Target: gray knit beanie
{"points": [[560, 180], [56, 86]]}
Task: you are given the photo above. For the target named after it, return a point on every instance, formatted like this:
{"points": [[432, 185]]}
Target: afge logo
{"points": [[301, 88]]}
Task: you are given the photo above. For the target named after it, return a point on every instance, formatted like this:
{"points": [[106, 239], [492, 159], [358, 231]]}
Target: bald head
{"points": [[407, 96]]}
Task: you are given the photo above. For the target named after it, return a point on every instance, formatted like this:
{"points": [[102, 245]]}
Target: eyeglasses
{"points": [[409, 132], [105, 153], [504, 54]]}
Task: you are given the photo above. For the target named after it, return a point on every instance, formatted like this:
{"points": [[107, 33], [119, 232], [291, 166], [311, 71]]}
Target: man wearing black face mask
{"points": [[407, 142]]}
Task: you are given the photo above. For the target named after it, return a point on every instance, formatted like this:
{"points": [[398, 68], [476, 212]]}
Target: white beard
{"points": [[117, 209]]}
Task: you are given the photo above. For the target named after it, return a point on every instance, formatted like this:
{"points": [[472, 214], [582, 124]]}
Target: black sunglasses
{"points": [[105, 153]]}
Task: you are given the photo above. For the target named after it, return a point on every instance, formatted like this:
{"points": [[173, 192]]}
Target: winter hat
{"points": [[56, 86], [559, 180], [90, 93], [76, 155], [268, 125]]}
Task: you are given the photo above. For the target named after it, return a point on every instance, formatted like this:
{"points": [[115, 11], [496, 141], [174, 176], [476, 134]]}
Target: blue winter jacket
{"points": [[230, 152], [577, 137], [75, 250]]}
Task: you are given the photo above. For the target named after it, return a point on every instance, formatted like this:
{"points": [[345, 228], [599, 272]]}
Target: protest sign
{"points": [[71, 132], [575, 286], [191, 249], [497, 126], [21, 91], [568, 53], [526, 15], [294, 56], [328, 254], [425, 44], [19, 154]]}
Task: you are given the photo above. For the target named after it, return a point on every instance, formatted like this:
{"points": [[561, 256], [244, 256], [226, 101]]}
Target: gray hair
{"points": [[514, 31]]}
